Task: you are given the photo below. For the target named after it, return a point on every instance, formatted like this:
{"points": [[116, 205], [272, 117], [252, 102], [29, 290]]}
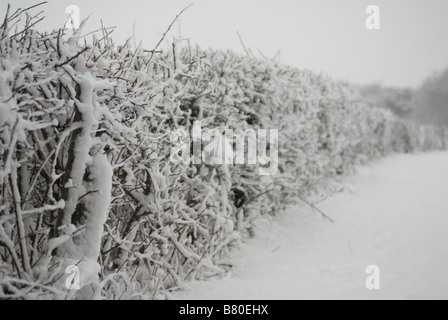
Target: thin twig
{"points": [[313, 207], [167, 30]]}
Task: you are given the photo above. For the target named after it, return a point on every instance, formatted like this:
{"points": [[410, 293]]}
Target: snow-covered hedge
{"points": [[86, 175]]}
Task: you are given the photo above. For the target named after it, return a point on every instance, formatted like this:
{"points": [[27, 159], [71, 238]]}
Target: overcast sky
{"points": [[321, 35]]}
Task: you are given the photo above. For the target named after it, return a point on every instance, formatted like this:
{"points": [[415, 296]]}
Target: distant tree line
{"points": [[427, 104]]}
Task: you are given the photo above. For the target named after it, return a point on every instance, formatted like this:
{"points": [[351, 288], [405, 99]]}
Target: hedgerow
{"points": [[86, 174]]}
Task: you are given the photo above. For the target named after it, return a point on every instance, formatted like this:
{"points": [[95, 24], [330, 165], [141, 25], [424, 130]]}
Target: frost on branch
{"points": [[86, 177]]}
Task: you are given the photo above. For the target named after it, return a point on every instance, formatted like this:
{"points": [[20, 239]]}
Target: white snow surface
{"points": [[392, 214]]}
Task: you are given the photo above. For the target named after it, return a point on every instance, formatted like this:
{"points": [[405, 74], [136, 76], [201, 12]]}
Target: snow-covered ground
{"points": [[393, 214]]}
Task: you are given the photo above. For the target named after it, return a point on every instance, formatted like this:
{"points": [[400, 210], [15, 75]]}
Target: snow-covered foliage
{"points": [[430, 101], [85, 172]]}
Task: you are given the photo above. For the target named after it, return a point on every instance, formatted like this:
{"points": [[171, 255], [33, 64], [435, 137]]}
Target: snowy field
{"points": [[392, 214]]}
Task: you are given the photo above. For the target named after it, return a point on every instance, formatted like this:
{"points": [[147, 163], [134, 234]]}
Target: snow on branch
{"points": [[86, 171]]}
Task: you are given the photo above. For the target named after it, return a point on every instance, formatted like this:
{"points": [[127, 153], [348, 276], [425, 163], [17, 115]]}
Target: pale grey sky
{"points": [[321, 35]]}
